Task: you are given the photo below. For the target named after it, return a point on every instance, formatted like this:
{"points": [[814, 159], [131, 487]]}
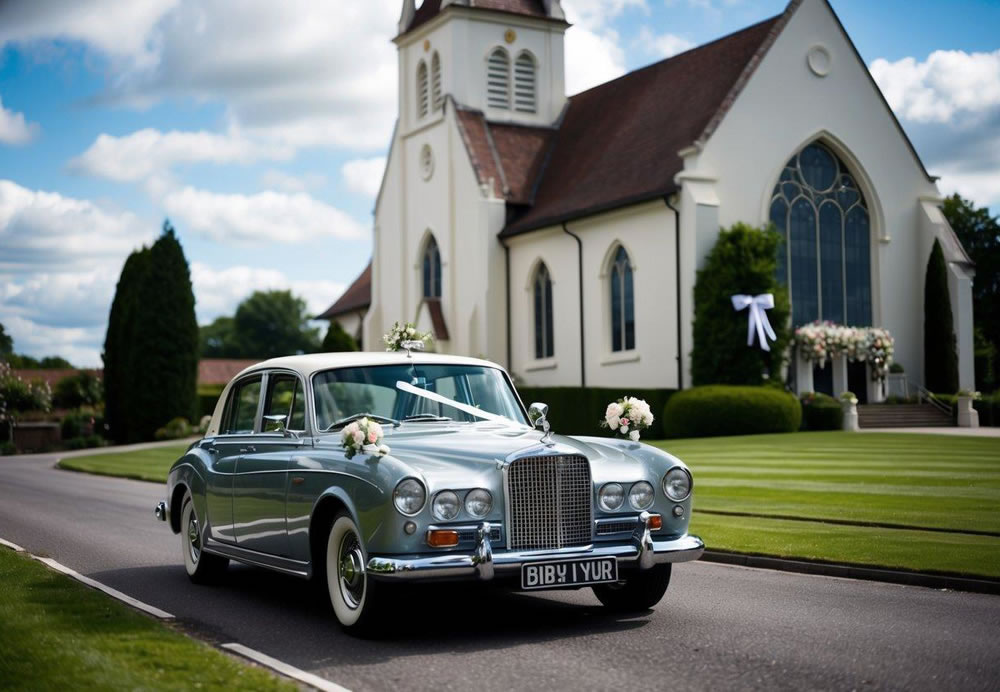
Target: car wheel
{"points": [[638, 591], [202, 567], [352, 593]]}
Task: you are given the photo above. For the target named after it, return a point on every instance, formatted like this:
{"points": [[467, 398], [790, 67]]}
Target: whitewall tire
{"points": [[201, 567], [352, 593]]}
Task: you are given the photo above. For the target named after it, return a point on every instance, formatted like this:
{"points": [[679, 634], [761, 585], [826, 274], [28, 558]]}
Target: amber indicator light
{"points": [[440, 538], [655, 522]]}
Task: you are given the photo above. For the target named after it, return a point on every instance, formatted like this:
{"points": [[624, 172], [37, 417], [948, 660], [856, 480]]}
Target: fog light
{"points": [[440, 538], [410, 528], [655, 522], [678, 511]]}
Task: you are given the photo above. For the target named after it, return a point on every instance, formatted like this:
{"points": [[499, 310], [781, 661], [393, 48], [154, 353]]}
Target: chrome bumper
{"points": [[483, 563]]}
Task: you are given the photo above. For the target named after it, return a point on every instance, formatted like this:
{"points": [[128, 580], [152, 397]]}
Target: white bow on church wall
{"points": [[758, 318]]}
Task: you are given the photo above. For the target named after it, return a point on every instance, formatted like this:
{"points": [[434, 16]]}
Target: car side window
{"points": [[285, 398], [242, 409]]}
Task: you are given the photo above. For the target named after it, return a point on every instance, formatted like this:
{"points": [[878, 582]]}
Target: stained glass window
{"points": [[544, 337], [622, 303], [432, 270]]}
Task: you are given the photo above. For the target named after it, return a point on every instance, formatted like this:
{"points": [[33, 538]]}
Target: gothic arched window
{"points": [[524, 83], [825, 257], [436, 95], [498, 79], [432, 270], [422, 95], [622, 303], [544, 333]]}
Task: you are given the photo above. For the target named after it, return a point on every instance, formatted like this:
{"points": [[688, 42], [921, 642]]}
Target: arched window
{"points": [[422, 89], [544, 335], [432, 270], [825, 258], [524, 83], [498, 79], [622, 303], [436, 94]]}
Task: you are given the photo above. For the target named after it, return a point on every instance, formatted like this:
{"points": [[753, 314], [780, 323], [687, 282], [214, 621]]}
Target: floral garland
{"points": [[818, 341], [627, 417], [403, 332], [362, 434]]}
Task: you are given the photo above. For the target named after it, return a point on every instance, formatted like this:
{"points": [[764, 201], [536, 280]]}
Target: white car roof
{"points": [[311, 363]]}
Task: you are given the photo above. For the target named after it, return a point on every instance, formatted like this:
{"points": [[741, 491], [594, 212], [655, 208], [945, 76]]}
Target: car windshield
{"points": [[346, 392]]}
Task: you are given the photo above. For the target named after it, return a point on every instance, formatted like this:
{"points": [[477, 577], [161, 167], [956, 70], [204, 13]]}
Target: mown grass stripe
{"points": [[849, 522]]}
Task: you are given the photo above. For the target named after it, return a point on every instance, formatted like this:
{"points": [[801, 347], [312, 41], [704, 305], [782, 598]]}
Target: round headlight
{"points": [[478, 502], [409, 496], [641, 495], [446, 505], [677, 484], [611, 497]]}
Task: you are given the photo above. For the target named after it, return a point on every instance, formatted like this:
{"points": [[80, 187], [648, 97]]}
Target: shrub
{"points": [[718, 410], [7, 448], [176, 428], [940, 351], [743, 260], [895, 367], [578, 411], [74, 425], [821, 412], [81, 389]]}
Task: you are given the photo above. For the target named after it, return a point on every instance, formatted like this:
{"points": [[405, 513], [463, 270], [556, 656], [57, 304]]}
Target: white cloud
{"points": [[662, 45], [14, 129], [364, 176], [146, 152], [280, 180], [219, 291], [265, 216], [947, 85], [80, 346], [593, 51]]}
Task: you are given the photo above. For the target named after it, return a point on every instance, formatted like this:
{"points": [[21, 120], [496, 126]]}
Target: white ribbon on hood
{"points": [[758, 318]]}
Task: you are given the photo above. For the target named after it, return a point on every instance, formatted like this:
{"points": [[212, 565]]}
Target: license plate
{"points": [[547, 575]]}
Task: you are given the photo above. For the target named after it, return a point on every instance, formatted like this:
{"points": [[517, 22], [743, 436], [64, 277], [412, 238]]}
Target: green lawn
{"points": [[908, 480], [59, 634], [920, 481]]}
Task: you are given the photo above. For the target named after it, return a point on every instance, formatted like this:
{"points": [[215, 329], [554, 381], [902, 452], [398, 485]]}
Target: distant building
{"points": [[561, 236], [351, 307]]}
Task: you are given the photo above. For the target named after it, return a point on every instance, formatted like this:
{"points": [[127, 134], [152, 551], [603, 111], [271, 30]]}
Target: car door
{"points": [[261, 481], [236, 431]]}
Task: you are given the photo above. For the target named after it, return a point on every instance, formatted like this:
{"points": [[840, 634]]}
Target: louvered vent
{"points": [[524, 84], [498, 79], [436, 95], [422, 89]]}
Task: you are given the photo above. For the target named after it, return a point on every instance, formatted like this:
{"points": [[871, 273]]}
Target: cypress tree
{"points": [[118, 356], [166, 343], [940, 351], [337, 340], [744, 260]]}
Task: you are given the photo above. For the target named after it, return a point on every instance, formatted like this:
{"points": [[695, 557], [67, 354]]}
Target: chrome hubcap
{"points": [[194, 538], [352, 571]]}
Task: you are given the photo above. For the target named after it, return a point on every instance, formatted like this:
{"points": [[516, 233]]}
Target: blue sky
{"points": [[262, 134]]}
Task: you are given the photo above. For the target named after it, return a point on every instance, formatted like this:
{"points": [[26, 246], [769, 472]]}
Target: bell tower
{"points": [[502, 57]]}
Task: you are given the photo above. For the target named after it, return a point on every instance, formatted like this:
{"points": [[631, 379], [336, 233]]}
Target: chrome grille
{"points": [[549, 499]]}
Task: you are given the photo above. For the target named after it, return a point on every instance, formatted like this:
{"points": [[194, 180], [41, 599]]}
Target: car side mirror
{"points": [[279, 420], [538, 414]]}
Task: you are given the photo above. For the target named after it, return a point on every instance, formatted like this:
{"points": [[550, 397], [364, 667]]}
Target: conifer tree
{"points": [[940, 351], [337, 340]]}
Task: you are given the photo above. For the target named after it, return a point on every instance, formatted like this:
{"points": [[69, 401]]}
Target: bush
{"points": [[578, 411], [7, 448], [176, 428], [743, 261], [208, 395], [821, 412], [895, 367], [74, 425], [718, 410], [82, 389]]}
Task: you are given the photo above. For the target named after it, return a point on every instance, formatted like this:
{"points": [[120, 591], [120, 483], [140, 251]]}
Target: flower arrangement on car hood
{"points": [[399, 333], [627, 417], [361, 435]]}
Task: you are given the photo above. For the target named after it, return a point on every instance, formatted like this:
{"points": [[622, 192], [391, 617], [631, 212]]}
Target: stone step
{"points": [[902, 416]]}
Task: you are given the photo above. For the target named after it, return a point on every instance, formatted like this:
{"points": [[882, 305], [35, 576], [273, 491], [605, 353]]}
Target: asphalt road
{"points": [[718, 626]]}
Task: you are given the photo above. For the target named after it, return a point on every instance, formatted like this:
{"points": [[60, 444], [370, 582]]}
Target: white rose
{"points": [[634, 435], [410, 331], [623, 430], [614, 410], [612, 421], [648, 419], [359, 437], [383, 450]]}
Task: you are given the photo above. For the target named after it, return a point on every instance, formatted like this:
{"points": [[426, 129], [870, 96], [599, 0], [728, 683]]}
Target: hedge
{"points": [[821, 412], [578, 411], [717, 410], [208, 395]]}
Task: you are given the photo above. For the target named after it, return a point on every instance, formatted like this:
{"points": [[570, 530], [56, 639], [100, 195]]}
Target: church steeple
{"points": [[503, 57]]}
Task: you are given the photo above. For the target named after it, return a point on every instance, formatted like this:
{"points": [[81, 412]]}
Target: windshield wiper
{"points": [[431, 417], [344, 421]]}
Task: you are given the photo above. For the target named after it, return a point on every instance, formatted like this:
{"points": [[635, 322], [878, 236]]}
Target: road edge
{"points": [[853, 571]]}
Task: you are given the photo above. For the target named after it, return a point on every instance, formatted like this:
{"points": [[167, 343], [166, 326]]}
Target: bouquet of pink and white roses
{"points": [[363, 435], [627, 417]]}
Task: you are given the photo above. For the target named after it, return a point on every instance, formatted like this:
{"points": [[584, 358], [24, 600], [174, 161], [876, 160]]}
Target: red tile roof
{"points": [[52, 376], [617, 143], [358, 296], [431, 9], [221, 370]]}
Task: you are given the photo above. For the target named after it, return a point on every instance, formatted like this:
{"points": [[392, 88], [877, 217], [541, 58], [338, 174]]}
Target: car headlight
{"points": [[478, 502], [611, 497], [446, 505], [409, 496], [677, 484], [641, 495]]}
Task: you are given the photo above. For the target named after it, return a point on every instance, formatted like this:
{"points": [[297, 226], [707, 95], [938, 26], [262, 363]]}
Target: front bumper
{"points": [[641, 549]]}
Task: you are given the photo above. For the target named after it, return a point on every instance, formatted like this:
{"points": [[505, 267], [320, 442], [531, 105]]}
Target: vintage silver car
{"points": [[474, 486]]}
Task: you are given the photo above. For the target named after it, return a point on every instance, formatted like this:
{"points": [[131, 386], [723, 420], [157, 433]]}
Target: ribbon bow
{"points": [[758, 318]]}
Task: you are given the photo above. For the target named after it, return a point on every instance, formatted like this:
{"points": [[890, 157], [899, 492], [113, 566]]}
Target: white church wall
{"points": [[783, 107]]}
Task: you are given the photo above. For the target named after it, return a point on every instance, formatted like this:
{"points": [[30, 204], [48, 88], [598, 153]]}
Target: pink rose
{"points": [[624, 422], [372, 436]]}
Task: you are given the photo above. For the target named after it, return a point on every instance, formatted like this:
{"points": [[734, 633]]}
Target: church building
{"points": [[561, 236]]}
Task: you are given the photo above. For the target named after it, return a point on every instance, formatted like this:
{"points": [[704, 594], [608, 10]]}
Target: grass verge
{"points": [[144, 465], [58, 634]]}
